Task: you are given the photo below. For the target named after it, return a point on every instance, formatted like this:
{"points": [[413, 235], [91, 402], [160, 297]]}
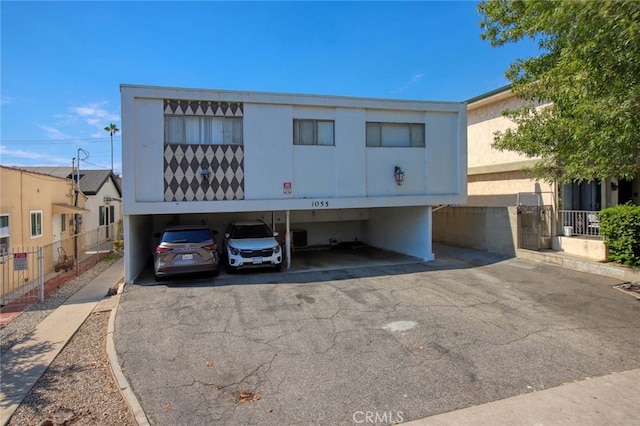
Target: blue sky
{"points": [[62, 62]]}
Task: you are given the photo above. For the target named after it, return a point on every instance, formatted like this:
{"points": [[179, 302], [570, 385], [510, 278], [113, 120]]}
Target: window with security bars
{"points": [[185, 129], [313, 132], [395, 134]]}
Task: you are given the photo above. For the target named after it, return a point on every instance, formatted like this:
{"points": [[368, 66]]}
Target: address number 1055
{"points": [[320, 204]]}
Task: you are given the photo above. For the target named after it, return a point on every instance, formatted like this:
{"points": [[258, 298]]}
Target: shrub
{"points": [[620, 226], [118, 245]]}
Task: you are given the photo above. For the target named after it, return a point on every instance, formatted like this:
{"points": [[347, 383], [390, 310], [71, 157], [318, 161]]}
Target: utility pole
{"points": [[78, 216]]}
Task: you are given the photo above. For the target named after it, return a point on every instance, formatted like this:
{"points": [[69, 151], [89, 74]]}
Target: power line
{"points": [[12, 141], [94, 164]]}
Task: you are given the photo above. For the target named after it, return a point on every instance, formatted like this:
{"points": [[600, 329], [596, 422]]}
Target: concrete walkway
{"points": [[608, 400], [612, 399], [25, 362]]}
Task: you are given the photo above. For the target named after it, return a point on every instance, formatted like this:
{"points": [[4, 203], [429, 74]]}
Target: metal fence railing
{"points": [[56, 263], [579, 223], [22, 278]]}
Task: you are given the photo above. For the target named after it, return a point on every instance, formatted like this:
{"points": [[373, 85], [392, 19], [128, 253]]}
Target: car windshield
{"points": [[186, 236], [250, 231]]}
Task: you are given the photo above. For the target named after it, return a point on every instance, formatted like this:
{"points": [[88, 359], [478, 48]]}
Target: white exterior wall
{"points": [[348, 173], [327, 181], [404, 230], [138, 247], [91, 220]]}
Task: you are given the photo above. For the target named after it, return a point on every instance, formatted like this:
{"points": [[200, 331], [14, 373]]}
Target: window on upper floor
{"points": [[202, 130], [5, 232], [36, 223], [313, 132], [395, 134]]}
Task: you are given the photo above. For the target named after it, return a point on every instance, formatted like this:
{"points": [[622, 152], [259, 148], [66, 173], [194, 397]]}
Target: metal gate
{"points": [[22, 276], [534, 227]]}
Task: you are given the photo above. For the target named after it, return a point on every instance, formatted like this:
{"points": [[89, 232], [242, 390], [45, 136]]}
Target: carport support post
{"points": [[287, 240]]}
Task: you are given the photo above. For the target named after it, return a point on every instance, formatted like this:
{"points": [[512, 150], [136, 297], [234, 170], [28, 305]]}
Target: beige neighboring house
{"points": [[496, 178], [104, 199], [506, 205], [37, 210]]}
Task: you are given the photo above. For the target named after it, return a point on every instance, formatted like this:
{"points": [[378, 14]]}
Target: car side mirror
{"points": [[276, 234], [215, 232], [226, 235]]}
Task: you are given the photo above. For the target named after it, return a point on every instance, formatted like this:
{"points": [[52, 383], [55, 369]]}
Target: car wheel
{"points": [[216, 271], [278, 267], [231, 269], [158, 278]]}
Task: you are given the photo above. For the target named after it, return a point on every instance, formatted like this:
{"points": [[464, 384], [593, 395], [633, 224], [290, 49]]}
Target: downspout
{"points": [[22, 209]]}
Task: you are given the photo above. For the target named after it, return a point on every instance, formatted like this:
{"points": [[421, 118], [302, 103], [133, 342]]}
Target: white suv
{"points": [[251, 245]]}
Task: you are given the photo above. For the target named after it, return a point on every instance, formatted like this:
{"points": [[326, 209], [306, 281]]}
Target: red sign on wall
{"points": [[286, 188], [20, 262]]}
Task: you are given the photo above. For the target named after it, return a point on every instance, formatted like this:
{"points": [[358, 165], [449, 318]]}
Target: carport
{"points": [[311, 233], [321, 170]]}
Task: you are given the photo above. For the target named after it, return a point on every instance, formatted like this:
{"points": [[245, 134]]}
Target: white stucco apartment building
{"points": [[327, 169]]}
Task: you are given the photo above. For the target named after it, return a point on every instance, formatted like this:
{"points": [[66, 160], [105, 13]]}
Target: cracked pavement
{"points": [[314, 347]]}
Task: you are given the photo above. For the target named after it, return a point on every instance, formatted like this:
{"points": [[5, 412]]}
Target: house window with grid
{"points": [[36, 223], [313, 132], [186, 129], [5, 232], [395, 134]]}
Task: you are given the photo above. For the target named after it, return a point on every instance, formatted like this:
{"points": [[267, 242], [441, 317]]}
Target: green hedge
{"points": [[620, 226]]}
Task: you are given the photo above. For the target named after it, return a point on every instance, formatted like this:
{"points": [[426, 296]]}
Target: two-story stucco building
{"points": [[335, 169]]}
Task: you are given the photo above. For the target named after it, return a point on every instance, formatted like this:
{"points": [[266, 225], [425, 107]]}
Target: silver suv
{"points": [[186, 249], [251, 244]]}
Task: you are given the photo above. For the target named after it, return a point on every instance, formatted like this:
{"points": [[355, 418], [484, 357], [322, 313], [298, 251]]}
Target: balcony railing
{"points": [[579, 223]]}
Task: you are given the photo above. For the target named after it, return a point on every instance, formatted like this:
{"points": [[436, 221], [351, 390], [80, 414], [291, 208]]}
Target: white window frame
{"points": [[316, 132], [35, 214], [5, 233], [416, 140], [229, 136]]}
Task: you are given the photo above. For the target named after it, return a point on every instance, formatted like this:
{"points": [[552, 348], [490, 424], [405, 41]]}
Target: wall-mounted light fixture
{"points": [[398, 174], [205, 172], [614, 186]]}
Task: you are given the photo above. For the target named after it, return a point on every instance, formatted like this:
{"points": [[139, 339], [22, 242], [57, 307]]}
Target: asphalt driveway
{"points": [[402, 341]]}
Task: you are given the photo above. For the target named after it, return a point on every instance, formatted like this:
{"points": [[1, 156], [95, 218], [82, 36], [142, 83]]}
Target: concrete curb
{"points": [[580, 264], [116, 371], [23, 365]]}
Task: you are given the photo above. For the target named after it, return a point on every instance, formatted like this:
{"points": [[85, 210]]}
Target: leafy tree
{"points": [[582, 115]]}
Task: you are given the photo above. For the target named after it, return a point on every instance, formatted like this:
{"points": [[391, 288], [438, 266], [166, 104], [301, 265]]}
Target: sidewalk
{"points": [[607, 400], [23, 364]]}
